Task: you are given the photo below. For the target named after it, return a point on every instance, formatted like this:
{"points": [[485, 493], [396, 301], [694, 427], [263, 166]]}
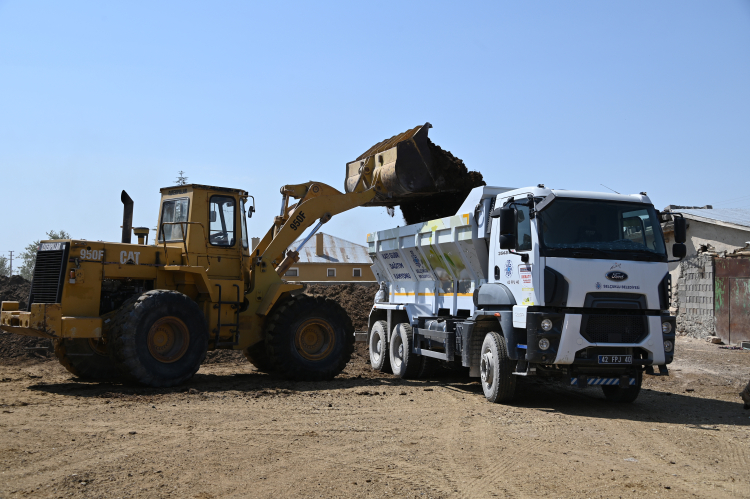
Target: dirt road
{"points": [[233, 432]]}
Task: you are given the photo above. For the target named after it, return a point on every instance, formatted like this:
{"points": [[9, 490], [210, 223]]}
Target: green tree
{"points": [[4, 266], [28, 255]]}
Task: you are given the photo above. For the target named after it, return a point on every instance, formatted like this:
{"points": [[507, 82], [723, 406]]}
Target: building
{"points": [[326, 258], [714, 273]]}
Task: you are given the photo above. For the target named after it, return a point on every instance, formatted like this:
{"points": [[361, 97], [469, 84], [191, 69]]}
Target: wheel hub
{"points": [[168, 339], [485, 368], [314, 339]]}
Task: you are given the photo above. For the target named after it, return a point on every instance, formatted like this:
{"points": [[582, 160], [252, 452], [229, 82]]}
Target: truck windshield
{"points": [[589, 228]]}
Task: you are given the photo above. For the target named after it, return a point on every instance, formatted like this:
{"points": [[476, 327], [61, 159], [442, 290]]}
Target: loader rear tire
{"points": [[379, 357], [258, 357], [86, 358], [496, 368], [405, 363], [158, 338], [309, 338]]}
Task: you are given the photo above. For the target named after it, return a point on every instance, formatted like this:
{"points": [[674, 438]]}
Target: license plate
{"points": [[615, 359]]}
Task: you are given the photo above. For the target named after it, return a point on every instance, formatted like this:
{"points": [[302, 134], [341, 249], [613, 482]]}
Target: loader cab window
{"points": [[172, 211], [244, 225], [221, 221]]}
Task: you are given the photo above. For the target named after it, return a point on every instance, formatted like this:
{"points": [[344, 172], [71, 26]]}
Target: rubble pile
{"points": [[15, 348]]}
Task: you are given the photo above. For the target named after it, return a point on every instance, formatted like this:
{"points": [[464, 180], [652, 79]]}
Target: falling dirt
{"points": [[457, 178]]}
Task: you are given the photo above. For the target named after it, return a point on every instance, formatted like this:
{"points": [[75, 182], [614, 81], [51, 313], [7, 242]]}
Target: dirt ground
{"points": [[234, 432]]}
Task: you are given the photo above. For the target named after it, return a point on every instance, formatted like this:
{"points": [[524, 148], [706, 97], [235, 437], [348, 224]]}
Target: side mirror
{"points": [[679, 250], [212, 216], [507, 221], [250, 211], [680, 230], [507, 241]]}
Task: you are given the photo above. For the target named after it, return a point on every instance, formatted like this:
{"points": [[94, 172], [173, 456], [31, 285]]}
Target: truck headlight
{"points": [[544, 344], [666, 327], [668, 346], [546, 326]]}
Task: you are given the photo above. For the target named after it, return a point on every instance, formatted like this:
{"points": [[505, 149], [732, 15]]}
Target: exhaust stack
{"points": [[127, 217]]}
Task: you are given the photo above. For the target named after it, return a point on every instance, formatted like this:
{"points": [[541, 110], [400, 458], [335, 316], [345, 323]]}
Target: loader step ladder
{"points": [[236, 324]]}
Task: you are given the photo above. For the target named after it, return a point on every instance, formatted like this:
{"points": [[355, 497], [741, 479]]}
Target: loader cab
{"points": [[208, 224]]}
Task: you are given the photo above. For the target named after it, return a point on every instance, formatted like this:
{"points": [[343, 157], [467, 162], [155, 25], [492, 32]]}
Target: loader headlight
{"points": [[668, 346], [666, 327], [546, 326], [543, 344]]}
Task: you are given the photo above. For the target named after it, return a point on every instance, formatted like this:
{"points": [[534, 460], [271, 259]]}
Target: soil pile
{"points": [[357, 299], [457, 178], [15, 348]]}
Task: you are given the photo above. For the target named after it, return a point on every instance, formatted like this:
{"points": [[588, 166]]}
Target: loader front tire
{"points": [[257, 356], [158, 338], [86, 358], [309, 338]]}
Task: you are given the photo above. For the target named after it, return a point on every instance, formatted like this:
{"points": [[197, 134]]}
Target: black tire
{"points": [[430, 367], [496, 368], [159, 338], [404, 363], [258, 357], [309, 338], [378, 346], [86, 358], [624, 395]]}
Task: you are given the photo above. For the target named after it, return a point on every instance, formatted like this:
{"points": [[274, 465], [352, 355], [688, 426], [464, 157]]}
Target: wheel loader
{"points": [[148, 313]]}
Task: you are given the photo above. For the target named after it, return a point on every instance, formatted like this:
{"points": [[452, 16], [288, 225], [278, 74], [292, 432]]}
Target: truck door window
{"points": [[244, 224], [523, 221], [221, 221], [173, 210], [637, 227]]}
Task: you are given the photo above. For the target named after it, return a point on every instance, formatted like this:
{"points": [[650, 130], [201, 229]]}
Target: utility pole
{"points": [[10, 274]]}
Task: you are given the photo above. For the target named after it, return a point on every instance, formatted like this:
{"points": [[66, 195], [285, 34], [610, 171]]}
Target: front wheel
{"points": [[614, 393], [496, 369], [159, 338], [309, 338]]}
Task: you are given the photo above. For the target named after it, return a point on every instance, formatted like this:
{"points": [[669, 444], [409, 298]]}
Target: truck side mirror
{"points": [[507, 241], [507, 217], [680, 230], [679, 250]]}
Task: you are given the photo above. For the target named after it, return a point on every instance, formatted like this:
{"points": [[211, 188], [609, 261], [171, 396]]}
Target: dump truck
{"points": [[565, 285], [149, 312]]}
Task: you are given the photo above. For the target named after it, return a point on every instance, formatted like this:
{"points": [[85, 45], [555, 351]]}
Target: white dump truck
{"points": [[528, 282]]}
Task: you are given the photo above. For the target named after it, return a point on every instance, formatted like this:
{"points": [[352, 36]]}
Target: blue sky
{"points": [[96, 97]]}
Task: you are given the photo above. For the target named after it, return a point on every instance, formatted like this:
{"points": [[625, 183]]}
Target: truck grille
{"points": [[614, 328], [47, 283]]}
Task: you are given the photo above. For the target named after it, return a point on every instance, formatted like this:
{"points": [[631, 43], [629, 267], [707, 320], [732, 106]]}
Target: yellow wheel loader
{"points": [[149, 312]]}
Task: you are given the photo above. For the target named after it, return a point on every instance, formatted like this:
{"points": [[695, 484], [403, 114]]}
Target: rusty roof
{"points": [[335, 250]]}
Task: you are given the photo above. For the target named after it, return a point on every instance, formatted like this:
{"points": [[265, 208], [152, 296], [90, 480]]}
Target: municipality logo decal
{"points": [[508, 268], [616, 275], [598, 285]]}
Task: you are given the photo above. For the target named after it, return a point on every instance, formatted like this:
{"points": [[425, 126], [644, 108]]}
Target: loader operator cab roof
{"points": [[183, 189]]}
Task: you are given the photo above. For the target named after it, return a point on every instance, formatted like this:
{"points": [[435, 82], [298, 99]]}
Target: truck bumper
{"points": [[565, 341], [45, 320]]}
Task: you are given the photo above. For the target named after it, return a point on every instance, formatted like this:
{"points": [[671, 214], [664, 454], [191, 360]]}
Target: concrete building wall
{"points": [[318, 272]]}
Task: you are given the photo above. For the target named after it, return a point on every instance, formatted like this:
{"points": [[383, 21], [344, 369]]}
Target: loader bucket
{"points": [[407, 167]]}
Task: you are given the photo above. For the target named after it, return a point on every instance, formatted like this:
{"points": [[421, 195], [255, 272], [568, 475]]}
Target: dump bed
{"points": [[439, 263]]}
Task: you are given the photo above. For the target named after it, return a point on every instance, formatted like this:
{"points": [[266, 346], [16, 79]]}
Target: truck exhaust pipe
{"points": [[127, 217]]}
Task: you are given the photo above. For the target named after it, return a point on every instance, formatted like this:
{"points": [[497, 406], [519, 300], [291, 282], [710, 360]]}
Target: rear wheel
{"points": [[86, 358], [309, 338], [257, 356], [379, 358], [496, 369], [614, 393], [405, 363], [159, 338]]}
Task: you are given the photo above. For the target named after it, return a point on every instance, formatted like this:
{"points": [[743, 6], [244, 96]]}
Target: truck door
{"points": [[508, 267]]}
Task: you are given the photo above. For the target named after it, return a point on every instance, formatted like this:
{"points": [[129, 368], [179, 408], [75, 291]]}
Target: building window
{"points": [[293, 272], [357, 273], [331, 272]]}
